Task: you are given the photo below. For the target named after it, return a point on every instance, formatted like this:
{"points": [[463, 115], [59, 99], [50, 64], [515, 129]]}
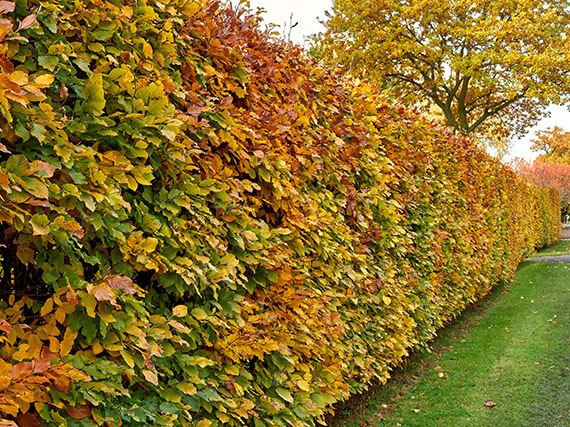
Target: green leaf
{"points": [[284, 394], [199, 314], [49, 62]]}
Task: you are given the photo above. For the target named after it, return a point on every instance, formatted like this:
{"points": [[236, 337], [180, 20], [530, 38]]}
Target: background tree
{"points": [[554, 143], [545, 174], [490, 67]]}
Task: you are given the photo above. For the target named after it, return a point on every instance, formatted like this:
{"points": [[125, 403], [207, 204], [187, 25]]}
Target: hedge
{"points": [[202, 226]]}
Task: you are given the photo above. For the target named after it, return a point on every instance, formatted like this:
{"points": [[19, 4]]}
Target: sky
{"points": [[305, 12]]}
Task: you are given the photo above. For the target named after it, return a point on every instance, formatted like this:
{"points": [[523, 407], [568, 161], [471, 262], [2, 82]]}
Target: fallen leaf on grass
{"points": [[442, 375], [523, 341], [490, 404], [537, 363]]}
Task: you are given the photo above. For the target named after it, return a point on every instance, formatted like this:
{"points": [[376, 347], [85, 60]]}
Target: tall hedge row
{"points": [[201, 226]]}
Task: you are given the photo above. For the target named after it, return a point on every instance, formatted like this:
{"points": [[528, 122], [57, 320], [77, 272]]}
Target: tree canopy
{"points": [[554, 145], [490, 67]]}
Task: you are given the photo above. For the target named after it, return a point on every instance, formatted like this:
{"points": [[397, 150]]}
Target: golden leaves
{"points": [[180, 311], [283, 223]]}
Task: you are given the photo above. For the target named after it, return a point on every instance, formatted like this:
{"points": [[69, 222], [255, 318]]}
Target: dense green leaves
{"points": [[201, 226]]}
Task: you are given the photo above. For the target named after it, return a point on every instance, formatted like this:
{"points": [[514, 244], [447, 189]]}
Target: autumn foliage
{"points": [[544, 174], [201, 226]]}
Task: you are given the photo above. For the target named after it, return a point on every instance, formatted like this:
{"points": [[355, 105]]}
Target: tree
{"points": [[554, 144], [490, 67], [545, 174]]}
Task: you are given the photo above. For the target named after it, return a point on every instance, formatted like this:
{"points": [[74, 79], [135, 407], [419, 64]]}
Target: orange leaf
{"points": [[5, 326], [62, 383], [21, 370], [5, 27], [150, 377]]}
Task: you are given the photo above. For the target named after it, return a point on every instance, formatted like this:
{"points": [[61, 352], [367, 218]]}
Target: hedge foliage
{"points": [[201, 226]]}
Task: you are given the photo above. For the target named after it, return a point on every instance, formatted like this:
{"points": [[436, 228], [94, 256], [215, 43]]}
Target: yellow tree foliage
{"points": [[553, 144], [490, 67]]}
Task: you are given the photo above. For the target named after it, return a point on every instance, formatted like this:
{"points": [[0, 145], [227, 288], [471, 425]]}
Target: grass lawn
{"points": [[511, 351], [562, 247]]}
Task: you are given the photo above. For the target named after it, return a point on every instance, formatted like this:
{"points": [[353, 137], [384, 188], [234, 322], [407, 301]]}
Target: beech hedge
{"points": [[202, 226]]}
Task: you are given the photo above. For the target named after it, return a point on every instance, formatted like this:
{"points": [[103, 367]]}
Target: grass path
{"points": [[512, 351], [562, 247]]}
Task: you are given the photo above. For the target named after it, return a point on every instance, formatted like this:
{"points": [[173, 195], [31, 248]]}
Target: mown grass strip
{"points": [[562, 247], [511, 352]]}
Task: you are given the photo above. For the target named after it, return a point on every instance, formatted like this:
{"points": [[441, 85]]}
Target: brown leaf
{"points": [[41, 203], [40, 365], [27, 22], [45, 168], [28, 420], [7, 6], [101, 292], [63, 92], [122, 282], [78, 412], [226, 101], [72, 298], [490, 404]]}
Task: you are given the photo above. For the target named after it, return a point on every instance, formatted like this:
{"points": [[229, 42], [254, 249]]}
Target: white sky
{"points": [[306, 12]]}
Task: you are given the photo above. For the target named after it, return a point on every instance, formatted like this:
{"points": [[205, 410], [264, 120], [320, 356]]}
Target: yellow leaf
{"points": [[128, 358], [67, 343], [44, 80], [187, 388], [89, 302], [304, 385], [204, 423], [147, 50], [47, 307], [54, 345], [387, 300], [97, 348], [222, 417], [180, 311], [60, 315], [232, 369], [200, 361]]}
